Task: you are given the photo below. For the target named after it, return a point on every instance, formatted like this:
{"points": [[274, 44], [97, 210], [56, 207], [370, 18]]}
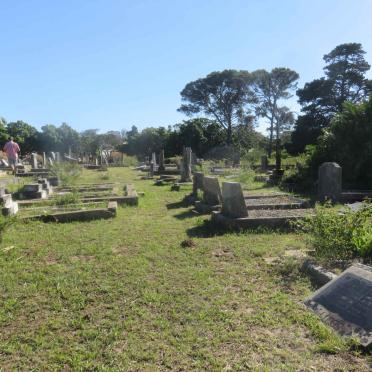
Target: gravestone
{"points": [[329, 181], [58, 157], [53, 155], [152, 169], [233, 203], [186, 165], [50, 160], [153, 159], [161, 161], [5, 163], [44, 160], [345, 303], [212, 191], [197, 183], [34, 160], [264, 162]]}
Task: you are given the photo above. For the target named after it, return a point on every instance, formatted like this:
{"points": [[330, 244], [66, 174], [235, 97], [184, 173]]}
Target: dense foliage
{"points": [[340, 235], [321, 99]]}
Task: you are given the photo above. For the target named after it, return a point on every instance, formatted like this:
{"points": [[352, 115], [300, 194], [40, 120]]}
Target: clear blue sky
{"points": [[109, 64]]}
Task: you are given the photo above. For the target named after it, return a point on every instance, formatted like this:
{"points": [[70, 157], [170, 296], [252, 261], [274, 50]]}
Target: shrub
{"points": [[69, 198], [340, 235]]}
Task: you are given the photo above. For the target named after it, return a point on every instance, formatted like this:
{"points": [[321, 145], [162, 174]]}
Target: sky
{"points": [[110, 64]]}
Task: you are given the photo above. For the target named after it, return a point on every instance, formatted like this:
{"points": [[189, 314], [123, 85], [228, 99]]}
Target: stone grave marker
{"points": [[34, 160], [44, 160], [58, 157], [329, 181], [161, 161], [186, 165], [5, 163], [153, 159], [212, 191], [345, 303], [197, 183], [233, 203], [50, 161]]}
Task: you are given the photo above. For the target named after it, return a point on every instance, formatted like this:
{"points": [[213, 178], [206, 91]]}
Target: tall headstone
{"points": [[233, 203], [53, 155], [161, 161], [153, 159], [34, 160], [152, 169], [211, 191], [197, 183], [44, 160], [329, 181], [186, 172], [58, 157], [264, 162]]}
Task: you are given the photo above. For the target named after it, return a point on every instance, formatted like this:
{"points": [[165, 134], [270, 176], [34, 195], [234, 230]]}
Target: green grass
{"points": [[122, 294]]}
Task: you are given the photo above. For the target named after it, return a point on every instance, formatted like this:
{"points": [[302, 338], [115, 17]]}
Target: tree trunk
{"points": [[270, 149], [278, 152], [229, 134]]}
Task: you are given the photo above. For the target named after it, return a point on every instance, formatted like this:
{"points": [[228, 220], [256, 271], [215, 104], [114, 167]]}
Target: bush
{"points": [[69, 198], [340, 235], [129, 161]]}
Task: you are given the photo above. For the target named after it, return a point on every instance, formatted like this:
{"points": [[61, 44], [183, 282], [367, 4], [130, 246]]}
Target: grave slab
{"points": [[345, 303]]}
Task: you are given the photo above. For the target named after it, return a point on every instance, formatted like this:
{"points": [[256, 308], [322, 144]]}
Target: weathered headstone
{"points": [[5, 163], [233, 203], [264, 162], [161, 161], [58, 157], [186, 165], [212, 191], [53, 155], [44, 160], [329, 181], [345, 303], [152, 169], [153, 159], [34, 160], [50, 160], [197, 183]]}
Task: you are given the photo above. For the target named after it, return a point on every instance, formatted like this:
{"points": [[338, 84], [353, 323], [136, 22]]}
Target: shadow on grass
{"points": [[176, 205], [186, 214], [206, 230]]}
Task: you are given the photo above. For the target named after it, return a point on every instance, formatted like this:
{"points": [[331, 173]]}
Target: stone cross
{"points": [[329, 181], [211, 191], [233, 202]]}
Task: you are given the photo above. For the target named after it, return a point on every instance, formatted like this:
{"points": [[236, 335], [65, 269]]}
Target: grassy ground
{"points": [[125, 294]]}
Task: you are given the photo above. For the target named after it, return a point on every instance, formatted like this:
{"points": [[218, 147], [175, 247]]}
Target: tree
{"points": [[69, 137], [49, 138], [25, 134], [225, 96], [270, 88], [3, 131], [323, 98], [348, 141]]}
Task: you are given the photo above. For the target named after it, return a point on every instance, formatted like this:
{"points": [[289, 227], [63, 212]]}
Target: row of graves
{"points": [[46, 200], [342, 301]]}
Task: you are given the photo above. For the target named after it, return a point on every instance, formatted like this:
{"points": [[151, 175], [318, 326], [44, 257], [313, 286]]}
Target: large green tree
{"points": [[322, 98], [25, 134], [348, 141], [224, 96]]}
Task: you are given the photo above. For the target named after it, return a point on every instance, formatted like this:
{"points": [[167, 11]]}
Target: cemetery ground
{"points": [[158, 287]]}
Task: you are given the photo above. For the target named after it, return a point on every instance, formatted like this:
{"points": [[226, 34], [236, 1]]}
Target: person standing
{"points": [[12, 149]]}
